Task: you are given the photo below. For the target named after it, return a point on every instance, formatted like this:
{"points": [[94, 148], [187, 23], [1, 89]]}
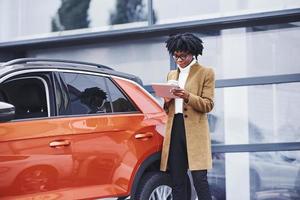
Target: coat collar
{"points": [[188, 67], [193, 69]]}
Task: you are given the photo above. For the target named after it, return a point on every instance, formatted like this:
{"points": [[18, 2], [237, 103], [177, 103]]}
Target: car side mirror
{"points": [[7, 112]]}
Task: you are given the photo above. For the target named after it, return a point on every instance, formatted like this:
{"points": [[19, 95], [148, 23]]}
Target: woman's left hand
{"points": [[181, 93]]}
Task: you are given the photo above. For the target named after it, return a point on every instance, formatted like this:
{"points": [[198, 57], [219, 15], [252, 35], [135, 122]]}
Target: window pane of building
{"points": [[116, 14], [23, 19], [259, 175], [256, 114], [216, 177], [253, 51], [169, 11]]}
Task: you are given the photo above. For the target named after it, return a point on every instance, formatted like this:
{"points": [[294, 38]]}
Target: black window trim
{"points": [[109, 95], [56, 85], [54, 82], [50, 69]]}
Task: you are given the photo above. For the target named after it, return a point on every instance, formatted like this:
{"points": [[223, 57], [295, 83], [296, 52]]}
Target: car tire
{"points": [[157, 183]]}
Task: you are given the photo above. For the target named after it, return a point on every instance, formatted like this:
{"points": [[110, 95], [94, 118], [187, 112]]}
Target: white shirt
{"points": [[184, 72]]}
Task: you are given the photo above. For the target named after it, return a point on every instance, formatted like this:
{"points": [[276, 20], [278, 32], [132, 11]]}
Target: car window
{"points": [[28, 95], [86, 94], [119, 102]]}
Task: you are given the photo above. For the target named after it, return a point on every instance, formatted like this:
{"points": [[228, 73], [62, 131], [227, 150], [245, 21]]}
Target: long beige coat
{"points": [[200, 83]]}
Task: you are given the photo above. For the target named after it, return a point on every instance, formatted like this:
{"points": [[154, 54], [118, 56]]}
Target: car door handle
{"points": [[59, 143], [146, 135]]}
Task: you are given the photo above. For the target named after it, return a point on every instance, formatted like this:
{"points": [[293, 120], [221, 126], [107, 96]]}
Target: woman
{"points": [[187, 140]]}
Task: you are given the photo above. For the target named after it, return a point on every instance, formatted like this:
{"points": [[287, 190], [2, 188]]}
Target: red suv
{"points": [[75, 130]]}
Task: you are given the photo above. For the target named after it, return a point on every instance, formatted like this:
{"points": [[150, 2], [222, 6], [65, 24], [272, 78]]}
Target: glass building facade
{"points": [[253, 47]]}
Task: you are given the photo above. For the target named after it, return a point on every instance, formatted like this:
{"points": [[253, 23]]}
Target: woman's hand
{"points": [[167, 100], [181, 93]]}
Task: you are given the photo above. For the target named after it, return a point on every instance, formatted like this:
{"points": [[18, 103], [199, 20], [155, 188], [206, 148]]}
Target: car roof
{"points": [[37, 63]]}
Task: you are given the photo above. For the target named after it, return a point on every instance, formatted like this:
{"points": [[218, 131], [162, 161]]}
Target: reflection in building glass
{"points": [[72, 14]]}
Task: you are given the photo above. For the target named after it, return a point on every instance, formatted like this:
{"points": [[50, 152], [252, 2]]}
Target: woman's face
{"points": [[182, 58]]}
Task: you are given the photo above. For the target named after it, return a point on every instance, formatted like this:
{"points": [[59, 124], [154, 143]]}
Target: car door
{"points": [[110, 136], [34, 161]]}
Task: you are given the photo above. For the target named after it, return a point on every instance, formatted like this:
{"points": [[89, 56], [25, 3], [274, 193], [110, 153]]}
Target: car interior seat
{"points": [[31, 102]]}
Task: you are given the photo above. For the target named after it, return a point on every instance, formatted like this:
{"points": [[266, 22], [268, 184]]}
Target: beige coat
{"points": [[200, 84]]}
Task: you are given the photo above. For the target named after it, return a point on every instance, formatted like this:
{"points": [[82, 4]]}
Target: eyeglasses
{"points": [[182, 56]]}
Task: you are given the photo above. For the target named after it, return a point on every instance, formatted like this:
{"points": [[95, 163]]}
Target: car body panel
{"points": [[103, 150], [78, 156]]}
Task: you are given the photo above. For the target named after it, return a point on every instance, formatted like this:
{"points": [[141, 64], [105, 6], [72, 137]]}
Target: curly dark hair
{"points": [[186, 42], [89, 96]]}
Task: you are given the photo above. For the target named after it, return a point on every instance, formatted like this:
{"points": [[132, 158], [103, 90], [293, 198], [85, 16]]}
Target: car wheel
{"points": [[157, 186]]}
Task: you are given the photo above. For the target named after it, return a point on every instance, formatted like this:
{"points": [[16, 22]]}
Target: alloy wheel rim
{"points": [[162, 192]]}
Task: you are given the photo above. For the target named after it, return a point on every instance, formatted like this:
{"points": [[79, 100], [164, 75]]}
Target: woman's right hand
{"points": [[167, 100]]}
